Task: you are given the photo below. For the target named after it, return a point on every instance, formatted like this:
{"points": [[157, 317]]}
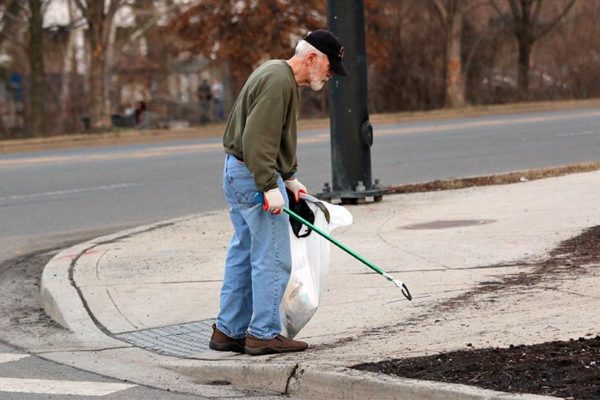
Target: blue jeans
{"points": [[258, 264]]}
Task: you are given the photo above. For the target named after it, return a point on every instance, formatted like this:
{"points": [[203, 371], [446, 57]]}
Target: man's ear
{"points": [[310, 58]]}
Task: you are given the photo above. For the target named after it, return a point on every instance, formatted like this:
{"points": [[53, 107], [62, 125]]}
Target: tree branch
{"points": [[554, 22], [45, 5], [15, 41], [537, 8], [516, 10], [14, 17], [113, 6], [495, 7], [442, 11], [76, 23], [507, 26], [12, 20], [84, 10], [22, 6]]}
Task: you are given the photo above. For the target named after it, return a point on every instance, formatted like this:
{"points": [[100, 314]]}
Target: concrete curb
{"points": [[318, 381], [252, 375], [61, 300]]}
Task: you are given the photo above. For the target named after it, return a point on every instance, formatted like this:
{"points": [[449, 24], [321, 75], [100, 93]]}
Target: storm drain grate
{"points": [[180, 340]]}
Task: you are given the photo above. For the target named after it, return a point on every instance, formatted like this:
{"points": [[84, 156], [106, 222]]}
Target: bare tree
{"points": [[525, 22], [68, 67], [451, 13], [405, 65], [572, 51], [10, 20], [100, 16]]}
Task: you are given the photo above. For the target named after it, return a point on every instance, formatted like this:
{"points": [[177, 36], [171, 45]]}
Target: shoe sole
{"points": [[263, 351], [233, 347]]}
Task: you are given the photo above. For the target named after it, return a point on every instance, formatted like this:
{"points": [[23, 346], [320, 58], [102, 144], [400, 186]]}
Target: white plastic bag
{"points": [[310, 264]]}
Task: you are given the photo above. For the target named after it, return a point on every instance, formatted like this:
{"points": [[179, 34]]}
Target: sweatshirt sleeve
{"points": [[261, 139], [292, 173]]}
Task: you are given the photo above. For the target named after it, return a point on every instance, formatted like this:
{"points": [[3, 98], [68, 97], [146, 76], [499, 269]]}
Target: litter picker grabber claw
{"points": [[260, 199]]}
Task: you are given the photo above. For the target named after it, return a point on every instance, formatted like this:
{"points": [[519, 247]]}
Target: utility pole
{"points": [[351, 131]]}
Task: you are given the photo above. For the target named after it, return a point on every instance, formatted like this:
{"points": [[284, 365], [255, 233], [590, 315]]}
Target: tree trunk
{"points": [[523, 68], [3, 130], [100, 20], [99, 118], [455, 88], [523, 29], [527, 26], [68, 67], [36, 62], [109, 62]]}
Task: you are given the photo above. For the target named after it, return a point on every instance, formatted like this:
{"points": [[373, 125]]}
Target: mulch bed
{"points": [[569, 369]]}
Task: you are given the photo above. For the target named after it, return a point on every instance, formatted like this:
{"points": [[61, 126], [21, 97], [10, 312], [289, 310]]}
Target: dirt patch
{"points": [[568, 369], [20, 312], [499, 179], [570, 259]]}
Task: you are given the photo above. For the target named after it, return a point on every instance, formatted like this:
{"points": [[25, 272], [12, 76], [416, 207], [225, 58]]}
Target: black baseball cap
{"points": [[327, 43]]}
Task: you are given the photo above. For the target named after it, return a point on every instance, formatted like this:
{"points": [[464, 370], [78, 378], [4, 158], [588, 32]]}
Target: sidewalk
{"points": [[157, 288]]}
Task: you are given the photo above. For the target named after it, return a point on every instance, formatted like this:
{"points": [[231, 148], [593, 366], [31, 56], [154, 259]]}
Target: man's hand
{"points": [[274, 202], [294, 186]]}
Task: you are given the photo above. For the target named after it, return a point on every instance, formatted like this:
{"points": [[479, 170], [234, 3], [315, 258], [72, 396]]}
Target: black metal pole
{"points": [[351, 131]]}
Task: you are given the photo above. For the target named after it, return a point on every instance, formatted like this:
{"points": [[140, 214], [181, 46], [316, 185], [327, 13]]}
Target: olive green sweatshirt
{"points": [[261, 129]]}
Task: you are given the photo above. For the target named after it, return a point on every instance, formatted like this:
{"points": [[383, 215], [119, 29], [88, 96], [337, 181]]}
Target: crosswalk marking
{"points": [[41, 386], [8, 357]]}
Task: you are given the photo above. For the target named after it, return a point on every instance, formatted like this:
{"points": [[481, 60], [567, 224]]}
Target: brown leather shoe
{"points": [[221, 342], [279, 344]]}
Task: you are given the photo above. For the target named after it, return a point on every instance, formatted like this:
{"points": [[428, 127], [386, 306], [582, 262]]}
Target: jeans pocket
{"points": [[244, 190]]}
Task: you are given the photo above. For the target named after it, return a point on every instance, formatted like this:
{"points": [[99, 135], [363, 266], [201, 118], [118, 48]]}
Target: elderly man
{"points": [[260, 145]]}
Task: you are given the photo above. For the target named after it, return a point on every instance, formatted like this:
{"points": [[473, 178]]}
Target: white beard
{"points": [[316, 84]]}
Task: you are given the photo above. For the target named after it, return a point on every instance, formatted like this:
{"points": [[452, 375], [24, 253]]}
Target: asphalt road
{"points": [[27, 377]]}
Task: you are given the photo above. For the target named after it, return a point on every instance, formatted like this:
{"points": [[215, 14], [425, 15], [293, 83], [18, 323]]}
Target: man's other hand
{"points": [[274, 202], [294, 186]]}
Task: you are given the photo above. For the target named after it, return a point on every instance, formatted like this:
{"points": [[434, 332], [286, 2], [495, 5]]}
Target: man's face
{"points": [[319, 72]]}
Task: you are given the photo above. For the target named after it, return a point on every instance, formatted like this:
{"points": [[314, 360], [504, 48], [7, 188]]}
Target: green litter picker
{"points": [[259, 198]]}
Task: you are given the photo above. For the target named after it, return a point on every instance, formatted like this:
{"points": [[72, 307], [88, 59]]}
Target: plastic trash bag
{"points": [[310, 264]]}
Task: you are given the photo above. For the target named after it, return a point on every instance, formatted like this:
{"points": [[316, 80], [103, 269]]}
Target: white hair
{"points": [[303, 48]]}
